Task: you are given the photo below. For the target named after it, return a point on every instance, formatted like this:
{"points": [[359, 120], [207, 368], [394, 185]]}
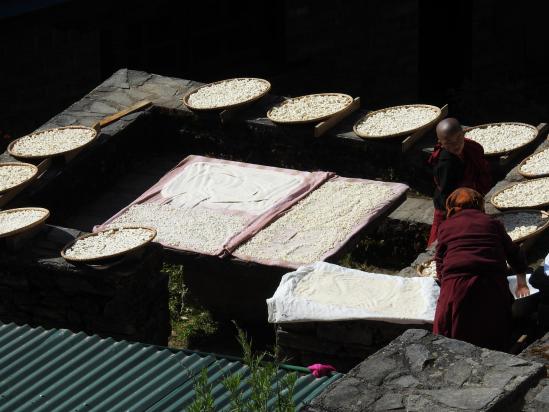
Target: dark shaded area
{"points": [[486, 59]]}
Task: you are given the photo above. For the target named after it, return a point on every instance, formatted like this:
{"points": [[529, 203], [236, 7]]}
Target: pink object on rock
{"points": [[319, 370]]}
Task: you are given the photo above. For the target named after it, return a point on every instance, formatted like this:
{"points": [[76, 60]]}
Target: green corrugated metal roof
{"points": [[58, 370]]}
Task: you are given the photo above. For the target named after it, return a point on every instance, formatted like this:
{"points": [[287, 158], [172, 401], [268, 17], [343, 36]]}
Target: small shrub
{"points": [[260, 381]]}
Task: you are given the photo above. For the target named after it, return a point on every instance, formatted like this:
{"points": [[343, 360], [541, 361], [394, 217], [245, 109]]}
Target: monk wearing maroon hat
{"points": [[457, 162], [471, 258]]}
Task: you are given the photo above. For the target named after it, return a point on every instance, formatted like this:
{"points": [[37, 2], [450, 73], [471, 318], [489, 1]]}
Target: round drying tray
{"points": [[24, 227], [420, 269], [312, 120], [518, 207], [227, 106], [32, 172], [110, 256], [536, 232], [505, 151], [532, 175], [20, 155], [435, 109]]}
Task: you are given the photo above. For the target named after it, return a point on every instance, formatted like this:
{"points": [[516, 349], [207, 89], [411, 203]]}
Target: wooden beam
{"points": [[411, 140], [118, 115], [322, 127]]}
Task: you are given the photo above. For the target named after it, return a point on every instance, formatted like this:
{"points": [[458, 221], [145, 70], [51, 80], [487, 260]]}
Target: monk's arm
{"points": [[517, 261], [439, 255]]}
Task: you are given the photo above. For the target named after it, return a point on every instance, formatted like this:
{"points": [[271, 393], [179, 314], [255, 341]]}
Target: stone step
{"points": [[415, 210]]}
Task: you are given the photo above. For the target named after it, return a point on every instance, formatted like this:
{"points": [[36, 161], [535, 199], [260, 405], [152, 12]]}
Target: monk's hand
{"points": [[522, 289]]}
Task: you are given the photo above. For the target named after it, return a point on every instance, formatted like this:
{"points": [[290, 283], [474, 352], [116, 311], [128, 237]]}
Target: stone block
{"points": [[542, 398], [350, 395], [75, 285], [13, 280], [537, 399], [310, 343], [346, 332], [419, 371]]}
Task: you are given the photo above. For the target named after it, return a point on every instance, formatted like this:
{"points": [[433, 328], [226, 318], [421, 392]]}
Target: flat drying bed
{"points": [[321, 224], [267, 215], [202, 203], [326, 292]]}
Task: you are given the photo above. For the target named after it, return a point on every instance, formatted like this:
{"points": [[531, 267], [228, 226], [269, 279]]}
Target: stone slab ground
{"points": [[419, 371]]}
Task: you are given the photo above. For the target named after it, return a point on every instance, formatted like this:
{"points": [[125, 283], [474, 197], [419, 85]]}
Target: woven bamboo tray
{"points": [[111, 256], [24, 182], [540, 206], [504, 152], [229, 106], [63, 153], [535, 233], [313, 120], [422, 266], [29, 226], [399, 134], [531, 175]]}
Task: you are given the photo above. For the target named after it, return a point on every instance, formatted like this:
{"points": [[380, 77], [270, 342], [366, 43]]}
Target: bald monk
{"points": [[457, 162]]}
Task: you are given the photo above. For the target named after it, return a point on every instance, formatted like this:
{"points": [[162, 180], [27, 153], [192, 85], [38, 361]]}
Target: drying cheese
{"points": [[227, 93], [529, 193], [52, 141], [537, 164], [230, 187], [520, 224], [108, 242], [396, 120], [310, 107], [196, 229], [380, 294], [318, 223], [14, 219], [502, 137], [430, 270], [12, 175]]}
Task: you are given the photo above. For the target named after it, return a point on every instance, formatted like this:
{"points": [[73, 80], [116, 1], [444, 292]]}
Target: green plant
{"points": [[232, 383], [204, 401], [285, 398], [187, 319], [176, 288], [261, 380]]}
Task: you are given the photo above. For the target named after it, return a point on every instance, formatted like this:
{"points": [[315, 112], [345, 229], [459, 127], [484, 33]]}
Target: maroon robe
{"points": [[450, 172], [475, 302]]}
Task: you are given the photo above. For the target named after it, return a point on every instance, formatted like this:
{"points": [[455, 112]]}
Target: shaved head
{"points": [[448, 128], [450, 135]]}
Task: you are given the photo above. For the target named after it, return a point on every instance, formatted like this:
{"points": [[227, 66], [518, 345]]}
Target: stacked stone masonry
{"points": [[127, 301]]}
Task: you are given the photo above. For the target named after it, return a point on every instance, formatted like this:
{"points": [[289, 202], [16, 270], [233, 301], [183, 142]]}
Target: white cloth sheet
{"points": [[327, 292]]}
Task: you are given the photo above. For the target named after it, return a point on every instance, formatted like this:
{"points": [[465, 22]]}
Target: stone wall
{"points": [[422, 372], [128, 301], [342, 344]]}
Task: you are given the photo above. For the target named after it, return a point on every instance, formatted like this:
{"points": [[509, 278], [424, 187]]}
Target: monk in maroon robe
{"points": [[471, 258], [457, 162]]}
